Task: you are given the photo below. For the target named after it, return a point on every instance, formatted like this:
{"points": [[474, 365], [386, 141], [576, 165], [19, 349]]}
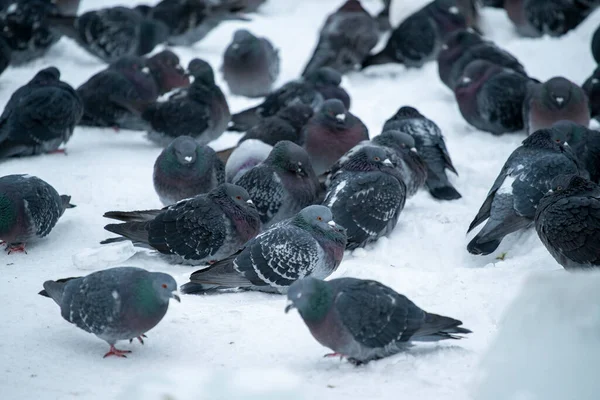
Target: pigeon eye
{"points": [[319, 218], [238, 197], [377, 159], [164, 285], [559, 188], [557, 140]]}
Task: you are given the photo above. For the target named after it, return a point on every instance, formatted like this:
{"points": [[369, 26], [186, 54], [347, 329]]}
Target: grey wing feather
{"points": [[265, 189]]}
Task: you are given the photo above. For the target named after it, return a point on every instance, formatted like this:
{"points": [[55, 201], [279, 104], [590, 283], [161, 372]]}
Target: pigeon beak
{"points": [[341, 117], [146, 70], [290, 306], [453, 10], [388, 162], [560, 100], [465, 79], [176, 297], [594, 81], [445, 47], [188, 158], [332, 224], [414, 149], [249, 201], [235, 46], [550, 191]]}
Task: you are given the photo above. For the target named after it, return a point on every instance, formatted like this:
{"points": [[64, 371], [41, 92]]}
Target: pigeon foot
{"points": [[15, 248], [139, 338], [116, 352]]}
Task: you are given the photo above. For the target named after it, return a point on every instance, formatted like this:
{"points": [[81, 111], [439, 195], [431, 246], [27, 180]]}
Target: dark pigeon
{"points": [[114, 304], [250, 65], [419, 37], [40, 116], [327, 82], [346, 38], [404, 155], [596, 45], [29, 209], [244, 157], [465, 46], [330, 133], [383, 18], [591, 87], [287, 124], [117, 96], [189, 21], [185, 169], [283, 184], [584, 142], [366, 194], [430, 144], [554, 100], [567, 221], [364, 320], [534, 18], [524, 179], [200, 111], [5, 55], [491, 97], [308, 244], [493, 3], [195, 231]]}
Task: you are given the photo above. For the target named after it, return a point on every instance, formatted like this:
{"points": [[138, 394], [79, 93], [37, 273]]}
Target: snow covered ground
{"points": [[230, 345]]}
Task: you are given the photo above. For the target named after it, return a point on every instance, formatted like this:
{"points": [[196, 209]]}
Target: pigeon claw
{"points": [[116, 352], [331, 355], [139, 338], [15, 248], [58, 151]]}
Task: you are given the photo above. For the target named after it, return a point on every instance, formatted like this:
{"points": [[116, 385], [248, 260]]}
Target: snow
{"points": [[242, 345]]}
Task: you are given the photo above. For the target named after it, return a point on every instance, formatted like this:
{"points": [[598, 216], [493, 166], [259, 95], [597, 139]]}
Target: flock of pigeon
{"points": [[305, 183]]}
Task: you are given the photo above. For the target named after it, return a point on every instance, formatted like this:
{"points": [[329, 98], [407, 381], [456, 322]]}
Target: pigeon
{"points": [[346, 38], [403, 153], [364, 320], [29, 209], [567, 221], [308, 244], [584, 142], [245, 156], [491, 97], [525, 177], [465, 46], [40, 116], [199, 230], [596, 45], [112, 33], [185, 169], [287, 124], [5, 55], [117, 96], [554, 100], [311, 90], [67, 7], [591, 88], [250, 65], [330, 133], [114, 304], [282, 185], [25, 29], [430, 144], [535, 18], [419, 38], [383, 18], [200, 111], [366, 195], [189, 21]]}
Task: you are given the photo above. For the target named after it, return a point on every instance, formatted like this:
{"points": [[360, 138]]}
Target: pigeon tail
{"points": [[378, 59], [135, 231], [482, 248], [244, 120], [444, 192], [198, 288], [438, 327], [133, 216]]}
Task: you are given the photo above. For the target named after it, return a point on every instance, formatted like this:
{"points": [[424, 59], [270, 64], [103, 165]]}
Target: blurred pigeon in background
{"points": [[308, 244], [591, 87], [364, 320], [383, 18], [185, 169], [584, 142], [327, 82], [245, 156], [29, 209], [287, 124]]}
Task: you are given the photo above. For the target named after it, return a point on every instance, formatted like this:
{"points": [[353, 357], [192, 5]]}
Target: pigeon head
{"points": [[542, 139], [568, 184], [201, 71], [406, 112], [366, 158], [324, 76], [311, 297], [47, 75], [228, 194], [297, 115], [184, 148], [290, 157], [558, 92], [447, 15], [318, 219], [462, 39], [568, 132], [334, 112], [135, 69], [164, 286], [143, 9], [396, 140], [243, 43], [167, 71], [351, 6]]}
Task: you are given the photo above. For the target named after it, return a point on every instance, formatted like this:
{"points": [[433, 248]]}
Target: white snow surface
{"points": [[208, 346]]}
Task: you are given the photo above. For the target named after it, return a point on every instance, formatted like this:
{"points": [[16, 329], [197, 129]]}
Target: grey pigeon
{"points": [[245, 156], [345, 39], [524, 179], [330, 133], [200, 111], [283, 184], [114, 304], [112, 33], [534, 18], [250, 65], [419, 37], [310, 90], [383, 18], [364, 320], [287, 124], [584, 142], [29, 209], [185, 169], [117, 96], [308, 244], [403, 153], [490, 97], [430, 144], [39, 116], [567, 221], [465, 46], [366, 194], [591, 87], [554, 100], [194, 231]]}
